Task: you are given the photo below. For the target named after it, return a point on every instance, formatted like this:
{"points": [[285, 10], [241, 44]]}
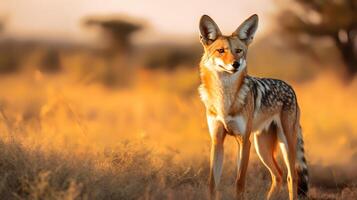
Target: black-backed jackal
{"points": [[238, 104]]}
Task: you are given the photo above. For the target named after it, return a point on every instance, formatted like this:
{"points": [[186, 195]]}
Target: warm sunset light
{"points": [[100, 100]]}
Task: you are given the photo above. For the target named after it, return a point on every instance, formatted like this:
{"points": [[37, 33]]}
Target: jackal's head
{"points": [[226, 53]]}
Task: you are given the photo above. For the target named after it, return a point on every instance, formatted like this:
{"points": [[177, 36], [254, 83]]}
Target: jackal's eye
{"points": [[220, 50], [239, 50]]}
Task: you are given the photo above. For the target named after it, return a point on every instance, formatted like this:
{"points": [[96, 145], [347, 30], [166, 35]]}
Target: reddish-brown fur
{"points": [[238, 104]]}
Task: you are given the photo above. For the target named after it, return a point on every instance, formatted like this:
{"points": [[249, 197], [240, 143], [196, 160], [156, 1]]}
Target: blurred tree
{"points": [[2, 26], [118, 30], [9, 55], [336, 19], [170, 56], [51, 62]]}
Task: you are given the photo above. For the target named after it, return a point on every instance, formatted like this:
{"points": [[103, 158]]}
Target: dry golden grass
{"points": [[65, 140]]}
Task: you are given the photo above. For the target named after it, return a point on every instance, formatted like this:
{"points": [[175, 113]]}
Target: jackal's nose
{"points": [[236, 65]]}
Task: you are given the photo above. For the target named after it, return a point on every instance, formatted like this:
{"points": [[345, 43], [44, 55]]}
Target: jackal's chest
{"points": [[236, 125], [233, 125]]}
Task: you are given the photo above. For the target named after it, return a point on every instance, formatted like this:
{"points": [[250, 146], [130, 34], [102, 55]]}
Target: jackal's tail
{"points": [[301, 166]]}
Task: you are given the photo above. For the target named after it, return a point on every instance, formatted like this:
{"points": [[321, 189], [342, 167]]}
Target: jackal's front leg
{"points": [[216, 158], [244, 152]]}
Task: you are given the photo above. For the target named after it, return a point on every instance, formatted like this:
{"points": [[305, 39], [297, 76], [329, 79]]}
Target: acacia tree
{"points": [[1, 26], [118, 31], [336, 19]]}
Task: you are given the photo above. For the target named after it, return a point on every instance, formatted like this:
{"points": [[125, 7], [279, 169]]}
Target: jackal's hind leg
{"points": [[287, 140], [265, 146]]}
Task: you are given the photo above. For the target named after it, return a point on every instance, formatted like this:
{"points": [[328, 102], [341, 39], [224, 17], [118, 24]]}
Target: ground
{"points": [[61, 139]]}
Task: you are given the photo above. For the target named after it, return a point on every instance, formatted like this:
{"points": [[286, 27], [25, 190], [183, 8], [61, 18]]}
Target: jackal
{"points": [[238, 104]]}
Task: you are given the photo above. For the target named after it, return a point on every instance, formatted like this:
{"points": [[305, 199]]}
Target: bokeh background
{"points": [[98, 99]]}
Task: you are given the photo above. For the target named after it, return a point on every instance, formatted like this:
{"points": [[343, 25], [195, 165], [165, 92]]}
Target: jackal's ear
{"points": [[209, 30], [246, 30]]}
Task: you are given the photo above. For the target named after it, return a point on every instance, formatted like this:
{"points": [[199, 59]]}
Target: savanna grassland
{"points": [[63, 139]]}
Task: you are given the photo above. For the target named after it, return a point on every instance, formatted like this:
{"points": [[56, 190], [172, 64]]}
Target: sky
{"points": [[61, 18]]}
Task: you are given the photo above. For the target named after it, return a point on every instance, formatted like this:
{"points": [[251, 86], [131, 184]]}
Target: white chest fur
{"points": [[221, 96], [235, 125]]}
